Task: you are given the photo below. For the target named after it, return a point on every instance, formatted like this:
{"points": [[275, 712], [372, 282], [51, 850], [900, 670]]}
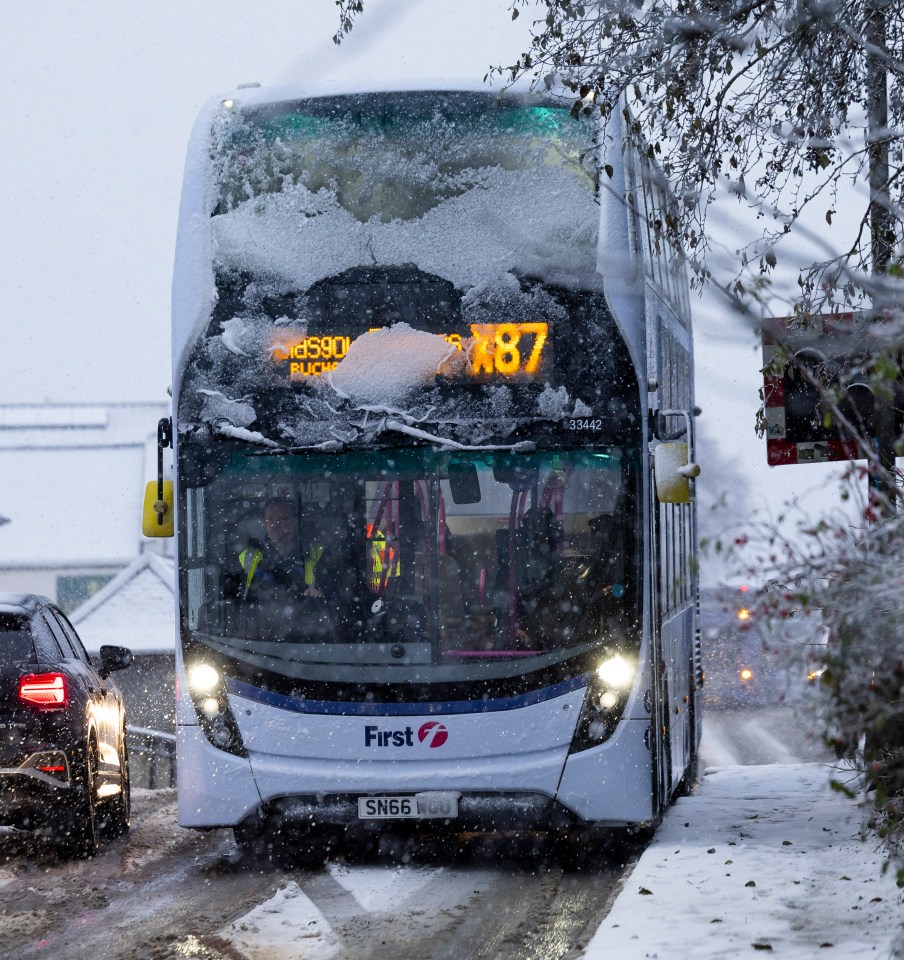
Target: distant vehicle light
{"points": [[743, 614], [202, 677], [616, 672], [46, 691], [746, 674]]}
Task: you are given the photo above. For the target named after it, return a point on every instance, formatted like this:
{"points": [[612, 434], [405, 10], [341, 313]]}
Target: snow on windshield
{"points": [[532, 222], [461, 189], [460, 185]]}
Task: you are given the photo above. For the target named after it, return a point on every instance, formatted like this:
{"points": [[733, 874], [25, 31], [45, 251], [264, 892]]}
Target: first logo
{"points": [[433, 733]]}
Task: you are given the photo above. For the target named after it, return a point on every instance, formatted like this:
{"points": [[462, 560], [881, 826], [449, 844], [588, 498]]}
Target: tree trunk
{"points": [[883, 490]]}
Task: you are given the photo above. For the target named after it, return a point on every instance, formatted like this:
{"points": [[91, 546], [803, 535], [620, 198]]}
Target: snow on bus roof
{"points": [[534, 222], [350, 84]]}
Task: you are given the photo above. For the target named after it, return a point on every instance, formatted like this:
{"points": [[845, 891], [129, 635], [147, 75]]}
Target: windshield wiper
{"points": [[523, 446]]}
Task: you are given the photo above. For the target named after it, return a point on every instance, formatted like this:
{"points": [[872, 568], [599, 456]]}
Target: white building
{"points": [[136, 609], [72, 482]]}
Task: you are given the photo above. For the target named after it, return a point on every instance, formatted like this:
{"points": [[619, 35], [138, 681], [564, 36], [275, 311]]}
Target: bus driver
{"points": [[281, 561]]}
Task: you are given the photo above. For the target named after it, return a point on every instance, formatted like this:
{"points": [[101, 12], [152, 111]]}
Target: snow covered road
{"points": [[411, 913], [129, 900], [769, 734], [168, 893], [164, 892]]}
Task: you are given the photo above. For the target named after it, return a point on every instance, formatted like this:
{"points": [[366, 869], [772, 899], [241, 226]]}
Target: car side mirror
{"points": [[114, 658]]}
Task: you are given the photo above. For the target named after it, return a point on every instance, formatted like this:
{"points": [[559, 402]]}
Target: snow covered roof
{"points": [[67, 425], [134, 610], [72, 482], [78, 508], [48, 416]]}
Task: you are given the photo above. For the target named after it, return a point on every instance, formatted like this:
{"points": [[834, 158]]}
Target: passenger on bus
{"points": [[282, 562]]}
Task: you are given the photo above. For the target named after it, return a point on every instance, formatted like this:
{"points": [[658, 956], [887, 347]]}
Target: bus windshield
{"points": [[395, 156], [464, 185], [412, 565]]}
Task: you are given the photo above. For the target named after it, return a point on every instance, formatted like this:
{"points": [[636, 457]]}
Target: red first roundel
{"points": [[434, 734]]}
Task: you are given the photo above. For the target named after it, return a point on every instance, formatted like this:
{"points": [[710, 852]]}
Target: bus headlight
{"points": [[616, 672], [220, 733], [604, 702], [202, 678], [208, 693]]}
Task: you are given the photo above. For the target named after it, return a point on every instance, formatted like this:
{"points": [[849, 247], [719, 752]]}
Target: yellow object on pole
{"points": [[158, 514]]}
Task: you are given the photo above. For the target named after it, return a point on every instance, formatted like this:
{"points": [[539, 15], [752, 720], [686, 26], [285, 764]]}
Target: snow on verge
{"points": [[760, 860], [285, 927]]}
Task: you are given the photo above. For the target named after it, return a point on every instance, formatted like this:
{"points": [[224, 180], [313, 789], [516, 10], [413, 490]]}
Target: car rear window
{"points": [[16, 644]]}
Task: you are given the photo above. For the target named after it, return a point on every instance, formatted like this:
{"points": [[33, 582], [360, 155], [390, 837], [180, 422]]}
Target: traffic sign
{"points": [[802, 361]]}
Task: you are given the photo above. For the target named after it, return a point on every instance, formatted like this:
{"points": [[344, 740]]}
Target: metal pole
{"points": [[882, 488]]}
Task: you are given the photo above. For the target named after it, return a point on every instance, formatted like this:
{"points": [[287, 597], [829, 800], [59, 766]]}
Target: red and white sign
{"points": [[838, 335]]}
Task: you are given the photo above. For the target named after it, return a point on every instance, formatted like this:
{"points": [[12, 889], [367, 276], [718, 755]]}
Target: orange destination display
{"points": [[495, 350], [313, 355]]}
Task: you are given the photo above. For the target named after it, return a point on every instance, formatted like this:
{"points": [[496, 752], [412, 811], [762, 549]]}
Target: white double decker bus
{"points": [[427, 348]]}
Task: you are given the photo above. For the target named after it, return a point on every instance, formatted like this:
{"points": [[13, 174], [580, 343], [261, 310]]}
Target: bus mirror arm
{"points": [[157, 515], [691, 471], [164, 440], [659, 428]]}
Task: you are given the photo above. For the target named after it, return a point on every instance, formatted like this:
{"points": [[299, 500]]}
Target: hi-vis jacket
{"points": [[251, 557], [383, 560]]}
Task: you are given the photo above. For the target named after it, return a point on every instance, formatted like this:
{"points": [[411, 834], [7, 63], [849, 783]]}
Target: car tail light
{"points": [[46, 691]]}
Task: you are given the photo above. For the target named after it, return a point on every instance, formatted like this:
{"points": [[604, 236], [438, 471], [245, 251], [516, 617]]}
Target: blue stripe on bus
{"points": [[352, 708]]}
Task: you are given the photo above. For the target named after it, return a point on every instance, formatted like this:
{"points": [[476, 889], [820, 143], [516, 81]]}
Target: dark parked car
{"points": [[63, 764]]}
